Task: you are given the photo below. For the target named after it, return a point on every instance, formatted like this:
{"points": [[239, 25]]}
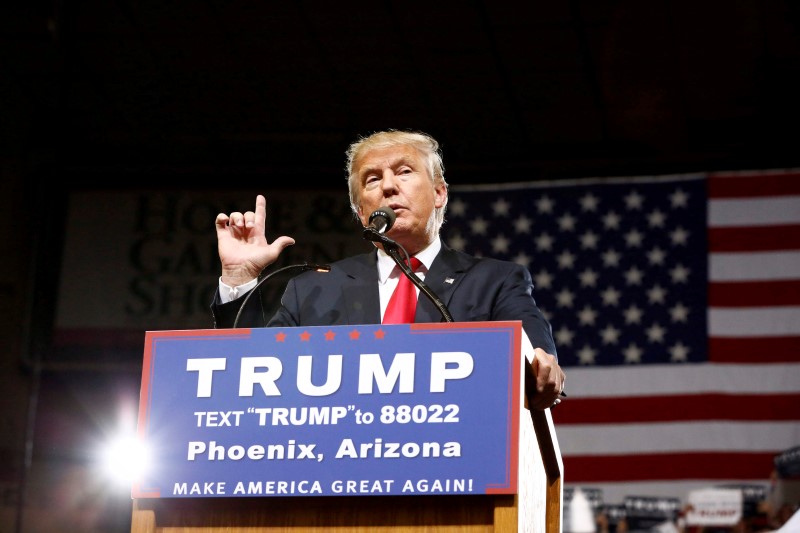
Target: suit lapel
{"points": [[445, 274], [360, 289]]}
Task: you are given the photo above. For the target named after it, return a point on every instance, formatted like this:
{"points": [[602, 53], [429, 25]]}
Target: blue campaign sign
{"points": [[345, 410]]}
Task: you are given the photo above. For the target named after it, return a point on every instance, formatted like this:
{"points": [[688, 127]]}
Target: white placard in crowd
{"points": [[714, 507]]}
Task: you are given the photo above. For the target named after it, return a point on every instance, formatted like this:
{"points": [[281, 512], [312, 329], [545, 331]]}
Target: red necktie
{"points": [[403, 303]]}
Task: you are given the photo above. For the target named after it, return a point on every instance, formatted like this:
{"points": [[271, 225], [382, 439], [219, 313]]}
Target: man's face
{"points": [[398, 177]]}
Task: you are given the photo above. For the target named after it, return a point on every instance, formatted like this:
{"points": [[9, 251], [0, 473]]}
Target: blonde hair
{"points": [[424, 143]]}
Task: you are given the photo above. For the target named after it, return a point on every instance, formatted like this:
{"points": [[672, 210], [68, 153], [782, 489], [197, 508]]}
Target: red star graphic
{"points": [[305, 336], [354, 335], [280, 337], [329, 336], [380, 334]]}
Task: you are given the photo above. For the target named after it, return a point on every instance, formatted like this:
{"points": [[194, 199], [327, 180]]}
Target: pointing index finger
{"points": [[261, 212]]}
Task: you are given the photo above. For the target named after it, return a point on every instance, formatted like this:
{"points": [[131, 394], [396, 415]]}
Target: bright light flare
{"points": [[124, 459]]}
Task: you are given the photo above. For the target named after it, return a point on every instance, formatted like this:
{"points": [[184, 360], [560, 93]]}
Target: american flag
{"points": [[675, 305]]}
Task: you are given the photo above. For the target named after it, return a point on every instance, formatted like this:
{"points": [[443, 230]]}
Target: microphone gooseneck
{"points": [[403, 261], [372, 233], [301, 266]]}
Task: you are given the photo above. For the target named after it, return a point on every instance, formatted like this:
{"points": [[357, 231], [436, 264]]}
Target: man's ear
{"points": [[440, 190], [360, 213]]}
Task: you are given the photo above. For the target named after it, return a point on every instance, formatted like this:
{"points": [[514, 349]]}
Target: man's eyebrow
{"points": [[400, 161]]}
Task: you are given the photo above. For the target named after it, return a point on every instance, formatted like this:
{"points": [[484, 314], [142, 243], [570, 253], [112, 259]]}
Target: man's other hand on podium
{"points": [[544, 381]]}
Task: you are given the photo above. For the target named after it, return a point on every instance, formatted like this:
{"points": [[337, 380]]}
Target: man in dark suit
{"points": [[401, 170]]}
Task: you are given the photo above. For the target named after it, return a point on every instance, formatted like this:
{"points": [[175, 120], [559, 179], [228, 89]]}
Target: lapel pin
{"points": [[449, 280]]}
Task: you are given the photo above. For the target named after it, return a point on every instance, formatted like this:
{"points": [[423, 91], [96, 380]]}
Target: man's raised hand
{"points": [[242, 244]]}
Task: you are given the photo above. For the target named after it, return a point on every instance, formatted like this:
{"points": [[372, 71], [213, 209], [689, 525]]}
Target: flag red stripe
{"points": [[753, 349], [754, 293], [649, 467], [711, 406], [753, 186], [754, 239]]}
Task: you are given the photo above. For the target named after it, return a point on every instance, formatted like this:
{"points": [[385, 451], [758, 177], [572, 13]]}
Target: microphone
{"points": [[302, 266], [380, 221]]}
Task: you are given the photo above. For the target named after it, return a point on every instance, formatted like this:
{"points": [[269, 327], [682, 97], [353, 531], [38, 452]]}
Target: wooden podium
{"points": [[535, 507]]}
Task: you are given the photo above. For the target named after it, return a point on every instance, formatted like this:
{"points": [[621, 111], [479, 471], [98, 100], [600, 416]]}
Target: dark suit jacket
{"points": [[473, 289]]}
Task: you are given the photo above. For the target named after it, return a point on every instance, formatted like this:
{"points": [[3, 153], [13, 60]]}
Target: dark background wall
{"points": [[256, 91], [210, 95]]}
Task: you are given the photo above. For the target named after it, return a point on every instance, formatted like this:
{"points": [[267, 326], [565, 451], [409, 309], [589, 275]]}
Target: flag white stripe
{"points": [[684, 379], [768, 211], [674, 437], [755, 266], [754, 322]]}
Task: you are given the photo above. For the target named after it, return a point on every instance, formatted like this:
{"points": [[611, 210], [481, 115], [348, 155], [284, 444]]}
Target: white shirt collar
{"points": [[386, 264]]}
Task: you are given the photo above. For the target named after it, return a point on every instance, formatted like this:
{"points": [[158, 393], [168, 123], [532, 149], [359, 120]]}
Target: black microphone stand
{"points": [[393, 249], [302, 266]]}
